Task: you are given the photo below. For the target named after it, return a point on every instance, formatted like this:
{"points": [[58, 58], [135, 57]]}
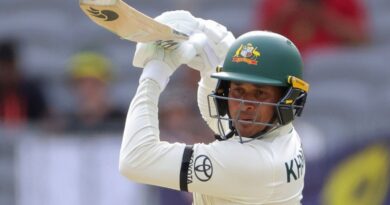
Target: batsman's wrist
{"points": [[158, 71]]}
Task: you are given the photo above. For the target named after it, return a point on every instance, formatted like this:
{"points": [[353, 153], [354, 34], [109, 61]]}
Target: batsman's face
{"points": [[249, 111]]}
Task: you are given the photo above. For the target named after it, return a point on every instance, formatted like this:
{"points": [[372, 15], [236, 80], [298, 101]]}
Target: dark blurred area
{"points": [[21, 99], [66, 84]]}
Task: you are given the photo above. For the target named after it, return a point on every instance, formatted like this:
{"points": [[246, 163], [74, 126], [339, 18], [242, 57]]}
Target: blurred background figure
{"points": [[21, 100], [90, 77], [179, 113], [314, 24], [176, 106]]}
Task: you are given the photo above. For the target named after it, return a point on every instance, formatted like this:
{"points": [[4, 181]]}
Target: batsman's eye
{"points": [[260, 94], [237, 92]]}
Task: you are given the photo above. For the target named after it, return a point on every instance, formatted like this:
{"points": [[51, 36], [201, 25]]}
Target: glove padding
{"points": [[204, 51], [167, 60], [163, 62], [212, 42]]}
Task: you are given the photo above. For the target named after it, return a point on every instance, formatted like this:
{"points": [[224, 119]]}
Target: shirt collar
{"points": [[274, 132]]}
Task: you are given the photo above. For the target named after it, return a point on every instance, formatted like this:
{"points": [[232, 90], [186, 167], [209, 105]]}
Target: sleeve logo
{"points": [[203, 168]]}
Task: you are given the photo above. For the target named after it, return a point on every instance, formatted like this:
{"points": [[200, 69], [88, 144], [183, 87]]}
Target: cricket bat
{"points": [[130, 24]]}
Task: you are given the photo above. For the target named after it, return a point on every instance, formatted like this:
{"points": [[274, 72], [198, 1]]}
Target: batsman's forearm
{"points": [[141, 128], [142, 153]]}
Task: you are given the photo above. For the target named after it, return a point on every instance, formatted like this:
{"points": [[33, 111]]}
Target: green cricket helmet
{"points": [[263, 58]]}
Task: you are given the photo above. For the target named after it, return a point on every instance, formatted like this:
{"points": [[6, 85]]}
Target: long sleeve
{"points": [[205, 86], [143, 157]]}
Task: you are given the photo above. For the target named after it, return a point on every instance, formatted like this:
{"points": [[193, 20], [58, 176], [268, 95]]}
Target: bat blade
{"points": [[130, 24]]}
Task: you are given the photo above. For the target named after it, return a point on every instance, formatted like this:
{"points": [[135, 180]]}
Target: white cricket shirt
{"points": [[264, 171]]}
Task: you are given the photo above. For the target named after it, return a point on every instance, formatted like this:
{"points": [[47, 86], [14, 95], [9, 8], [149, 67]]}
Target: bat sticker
{"points": [[106, 15]]}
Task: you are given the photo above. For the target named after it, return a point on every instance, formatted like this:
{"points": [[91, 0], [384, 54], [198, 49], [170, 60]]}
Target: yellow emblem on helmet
{"points": [[247, 54]]}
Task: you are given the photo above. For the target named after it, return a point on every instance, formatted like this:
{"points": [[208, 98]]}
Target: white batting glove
{"points": [[160, 63], [163, 62], [212, 42]]}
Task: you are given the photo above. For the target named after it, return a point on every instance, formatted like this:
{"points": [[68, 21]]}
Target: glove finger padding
{"points": [[212, 51], [219, 37], [143, 53], [146, 52], [214, 30], [163, 62], [180, 20], [224, 44]]}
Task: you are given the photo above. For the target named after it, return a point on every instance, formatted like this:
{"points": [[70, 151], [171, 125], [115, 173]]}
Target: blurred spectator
{"points": [[21, 99], [315, 23], [90, 77], [177, 104]]}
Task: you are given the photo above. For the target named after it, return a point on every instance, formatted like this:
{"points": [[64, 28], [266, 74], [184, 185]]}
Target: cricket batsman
{"points": [[250, 91]]}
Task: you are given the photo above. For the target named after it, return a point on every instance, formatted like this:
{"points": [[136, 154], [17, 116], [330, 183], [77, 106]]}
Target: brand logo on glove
{"points": [[247, 54], [203, 168]]}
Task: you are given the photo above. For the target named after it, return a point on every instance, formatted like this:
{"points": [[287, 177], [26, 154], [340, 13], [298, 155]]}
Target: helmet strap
{"points": [[226, 137], [229, 135]]}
